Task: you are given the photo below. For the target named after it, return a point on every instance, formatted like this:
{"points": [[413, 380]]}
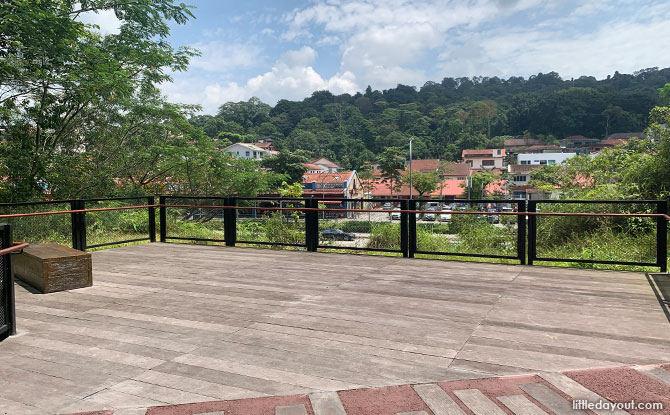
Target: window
{"points": [[255, 155], [498, 152], [525, 162], [247, 154], [520, 178], [488, 162], [551, 162], [460, 178], [543, 161]]}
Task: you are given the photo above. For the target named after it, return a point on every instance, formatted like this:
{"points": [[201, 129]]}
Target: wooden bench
{"points": [[52, 267]]}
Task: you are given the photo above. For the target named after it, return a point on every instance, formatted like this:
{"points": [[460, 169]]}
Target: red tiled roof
{"points": [[311, 166], [455, 169], [326, 177], [485, 152], [426, 166], [450, 188], [520, 142], [325, 162], [263, 145]]}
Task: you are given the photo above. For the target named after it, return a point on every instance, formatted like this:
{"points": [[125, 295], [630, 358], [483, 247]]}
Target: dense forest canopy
{"points": [[445, 117]]}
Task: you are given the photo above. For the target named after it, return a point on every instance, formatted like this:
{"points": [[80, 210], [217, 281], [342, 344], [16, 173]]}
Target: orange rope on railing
{"points": [[16, 246], [306, 209], [61, 212], [458, 212]]}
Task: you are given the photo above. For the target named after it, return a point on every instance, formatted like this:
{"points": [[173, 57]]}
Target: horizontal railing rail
{"points": [[526, 225]]}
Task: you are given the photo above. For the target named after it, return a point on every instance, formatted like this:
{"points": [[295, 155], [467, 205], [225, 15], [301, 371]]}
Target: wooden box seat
{"points": [[52, 267]]}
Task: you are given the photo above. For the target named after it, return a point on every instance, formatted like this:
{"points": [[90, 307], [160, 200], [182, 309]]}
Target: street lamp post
{"points": [[410, 167]]}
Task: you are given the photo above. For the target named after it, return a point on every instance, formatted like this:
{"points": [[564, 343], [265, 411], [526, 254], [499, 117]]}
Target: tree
{"points": [[478, 184], [289, 164], [51, 90], [423, 183], [391, 161], [664, 94]]}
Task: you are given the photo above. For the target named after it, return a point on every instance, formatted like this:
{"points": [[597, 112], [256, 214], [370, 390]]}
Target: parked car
{"points": [[493, 218], [445, 217], [429, 216], [395, 215], [338, 235], [386, 205]]}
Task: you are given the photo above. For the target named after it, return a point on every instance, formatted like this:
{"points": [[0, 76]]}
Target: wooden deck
{"points": [[169, 323]]}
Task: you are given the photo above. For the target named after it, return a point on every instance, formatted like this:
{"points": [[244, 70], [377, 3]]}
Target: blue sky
{"points": [[288, 48]]}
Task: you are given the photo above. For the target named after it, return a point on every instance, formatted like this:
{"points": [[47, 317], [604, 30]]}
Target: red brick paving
{"points": [[625, 384], [619, 385], [382, 401], [256, 406]]}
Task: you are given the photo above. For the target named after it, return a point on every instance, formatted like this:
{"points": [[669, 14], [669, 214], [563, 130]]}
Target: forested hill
{"points": [[445, 117]]}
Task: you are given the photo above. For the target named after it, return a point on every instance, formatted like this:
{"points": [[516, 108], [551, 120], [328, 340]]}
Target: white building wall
{"points": [[544, 158]]}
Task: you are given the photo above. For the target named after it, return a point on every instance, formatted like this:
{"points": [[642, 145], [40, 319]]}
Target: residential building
{"points": [[266, 143], [543, 148], [246, 151], [578, 141], [544, 158], [519, 185], [485, 159], [325, 185], [455, 171], [325, 163], [625, 136], [514, 145], [447, 189], [424, 166], [315, 168]]}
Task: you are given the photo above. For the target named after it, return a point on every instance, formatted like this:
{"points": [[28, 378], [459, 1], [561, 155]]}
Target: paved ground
{"points": [[640, 390], [171, 324]]}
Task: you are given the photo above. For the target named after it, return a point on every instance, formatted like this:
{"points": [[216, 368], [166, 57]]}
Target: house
{"points": [[325, 163], [246, 151], [485, 159], [625, 136], [266, 143], [424, 166], [520, 177], [455, 171], [314, 168], [513, 145], [543, 148], [326, 185], [544, 158], [578, 141], [447, 189]]}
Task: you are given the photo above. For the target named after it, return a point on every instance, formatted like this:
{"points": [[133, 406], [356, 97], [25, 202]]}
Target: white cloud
{"points": [[622, 45], [291, 77], [219, 56], [105, 19], [382, 40]]}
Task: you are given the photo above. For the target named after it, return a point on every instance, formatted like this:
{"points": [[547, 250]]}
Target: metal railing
{"points": [[304, 217], [7, 313]]}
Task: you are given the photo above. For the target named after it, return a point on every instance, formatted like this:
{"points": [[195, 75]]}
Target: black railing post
{"points": [[404, 231], [662, 236], [152, 218], [312, 225], [412, 228], [163, 218], [521, 232], [230, 221], [78, 220], [7, 290], [532, 232]]}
